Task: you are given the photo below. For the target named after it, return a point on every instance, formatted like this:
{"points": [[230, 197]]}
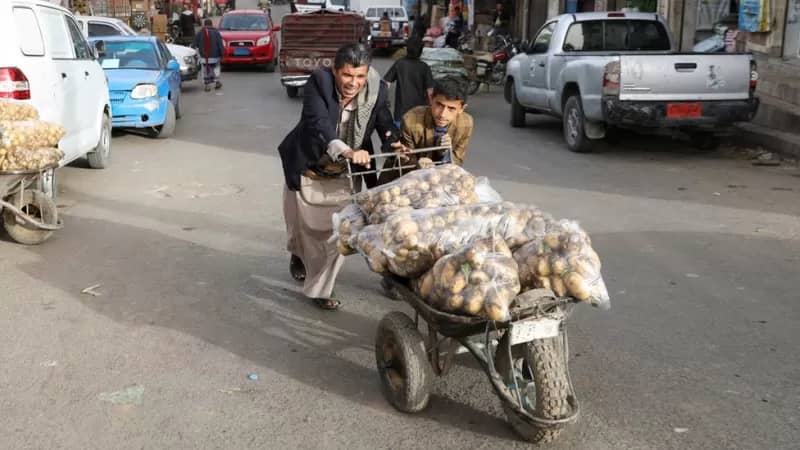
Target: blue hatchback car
{"points": [[144, 83]]}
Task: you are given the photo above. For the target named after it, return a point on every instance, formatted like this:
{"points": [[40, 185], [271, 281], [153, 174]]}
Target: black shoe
{"points": [[297, 268], [208, 88], [218, 85]]}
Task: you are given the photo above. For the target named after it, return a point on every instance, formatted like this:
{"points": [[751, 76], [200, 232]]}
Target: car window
{"points": [[56, 34], [542, 42], [130, 55], [166, 55], [126, 30], [244, 22], [29, 34], [617, 35], [78, 42], [101, 29]]}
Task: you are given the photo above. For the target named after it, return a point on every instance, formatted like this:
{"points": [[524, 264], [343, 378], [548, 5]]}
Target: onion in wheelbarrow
{"points": [[31, 134], [10, 110]]}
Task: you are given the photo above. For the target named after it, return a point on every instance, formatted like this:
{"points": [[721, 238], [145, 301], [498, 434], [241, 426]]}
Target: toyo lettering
{"points": [[312, 62]]}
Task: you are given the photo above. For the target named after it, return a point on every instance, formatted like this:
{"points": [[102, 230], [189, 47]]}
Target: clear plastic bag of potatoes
{"points": [[29, 134], [480, 279], [408, 244], [444, 185], [29, 159], [565, 262], [346, 225], [11, 110]]}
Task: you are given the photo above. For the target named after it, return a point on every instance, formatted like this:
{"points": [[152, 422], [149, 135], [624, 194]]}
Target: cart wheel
{"points": [[38, 206], [402, 361], [542, 376]]}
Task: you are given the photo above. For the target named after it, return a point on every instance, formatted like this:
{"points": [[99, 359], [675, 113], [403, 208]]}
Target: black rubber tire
{"points": [[517, 111], [292, 91], [575, 134], [37, 205], [406, 375], [100, 157], [704, 140], [179, 107], [168, 129], [270, 67], [547, 369]]}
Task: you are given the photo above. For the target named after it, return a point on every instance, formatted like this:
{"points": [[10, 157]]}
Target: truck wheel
{"points": [[517, 111], [101, 155], [574, 121], [292, 91]]}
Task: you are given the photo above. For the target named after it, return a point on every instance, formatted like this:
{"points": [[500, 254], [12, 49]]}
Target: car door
{"points": [[62, 52], [173, 76], [534, 78], [91, 86]]}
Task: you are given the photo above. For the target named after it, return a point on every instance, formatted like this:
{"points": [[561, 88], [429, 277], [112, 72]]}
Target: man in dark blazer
{"points": [[342, 108]]}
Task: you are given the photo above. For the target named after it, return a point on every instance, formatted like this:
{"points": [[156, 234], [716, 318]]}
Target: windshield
{"points": [[130, 55], [244, 22]]}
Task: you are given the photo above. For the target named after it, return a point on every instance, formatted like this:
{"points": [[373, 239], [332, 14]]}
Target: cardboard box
{"points": [[160, 24]]}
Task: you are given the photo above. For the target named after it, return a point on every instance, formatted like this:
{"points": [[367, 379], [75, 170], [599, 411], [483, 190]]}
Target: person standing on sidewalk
{"points": [[342, 107], [208, 43], [414, 80]]}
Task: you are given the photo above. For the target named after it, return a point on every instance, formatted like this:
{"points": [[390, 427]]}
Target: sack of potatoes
{"points": [[10, 110], [480, 279], [408, 244], [565, 262], [29, 159], [444, 185], [33, 134], [346, 225]]}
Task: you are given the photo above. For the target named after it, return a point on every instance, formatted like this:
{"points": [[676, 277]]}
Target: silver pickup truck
{"points": [[602, 71]]}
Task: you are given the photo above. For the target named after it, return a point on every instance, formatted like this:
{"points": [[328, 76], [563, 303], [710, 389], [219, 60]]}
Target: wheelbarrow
{"points": [[29, 216], [525, 358]]}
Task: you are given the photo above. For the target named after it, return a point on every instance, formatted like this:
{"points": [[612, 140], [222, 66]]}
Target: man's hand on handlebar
{"points": [[360, 157]]}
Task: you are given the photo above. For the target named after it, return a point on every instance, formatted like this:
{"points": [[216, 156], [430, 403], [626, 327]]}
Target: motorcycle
{"points": [[491, 66]]}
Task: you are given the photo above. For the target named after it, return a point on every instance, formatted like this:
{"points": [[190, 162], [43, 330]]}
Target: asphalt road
{"points": [[185, 238]]}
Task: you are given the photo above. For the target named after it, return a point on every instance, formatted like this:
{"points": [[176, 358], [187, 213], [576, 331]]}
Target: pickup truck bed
{"points": [[601, 70]]}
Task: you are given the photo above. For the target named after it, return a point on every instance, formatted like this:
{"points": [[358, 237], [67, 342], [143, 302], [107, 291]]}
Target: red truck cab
{"points": [[250, 38], [310, 40]]}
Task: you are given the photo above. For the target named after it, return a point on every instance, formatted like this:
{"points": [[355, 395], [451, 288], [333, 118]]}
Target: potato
{"points": [[17, 111], [576, 286]]}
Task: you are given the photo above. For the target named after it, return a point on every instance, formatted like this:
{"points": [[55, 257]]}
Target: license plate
{"points": [[481, 70], [531, 329], [684, 110], [241, 52]]}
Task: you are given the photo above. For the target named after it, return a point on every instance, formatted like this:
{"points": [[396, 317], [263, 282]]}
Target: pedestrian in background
{"points": [[414, 80], [208, 42]]}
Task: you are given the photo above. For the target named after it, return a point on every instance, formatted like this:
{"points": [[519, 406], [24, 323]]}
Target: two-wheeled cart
{"points": [[29, 215], [525, 358]]}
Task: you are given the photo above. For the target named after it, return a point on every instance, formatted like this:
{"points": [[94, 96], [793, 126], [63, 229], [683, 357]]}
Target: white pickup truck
{"points": [[601, 71]]}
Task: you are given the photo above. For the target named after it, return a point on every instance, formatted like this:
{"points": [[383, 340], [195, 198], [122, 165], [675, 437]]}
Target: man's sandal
{"points": [[297, 268], [328, 304]]}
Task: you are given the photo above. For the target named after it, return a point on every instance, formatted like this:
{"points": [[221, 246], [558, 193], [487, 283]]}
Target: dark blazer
{"points": [[307, 143], [217, 47]]}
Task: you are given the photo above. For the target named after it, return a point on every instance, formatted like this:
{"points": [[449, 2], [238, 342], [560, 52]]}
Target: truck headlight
{"points": [[144, 91], [189, 60], [264, 41]]}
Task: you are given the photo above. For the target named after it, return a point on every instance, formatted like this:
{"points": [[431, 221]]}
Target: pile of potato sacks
{"points": [[463, 256], [27, 143]]}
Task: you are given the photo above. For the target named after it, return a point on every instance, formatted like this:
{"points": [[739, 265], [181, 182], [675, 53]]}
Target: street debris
{"points": [[48, 363], [692, 275], [252, 377], [91, 290], [716, 194], [129, 396], [231, 390], [681, 430]]}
